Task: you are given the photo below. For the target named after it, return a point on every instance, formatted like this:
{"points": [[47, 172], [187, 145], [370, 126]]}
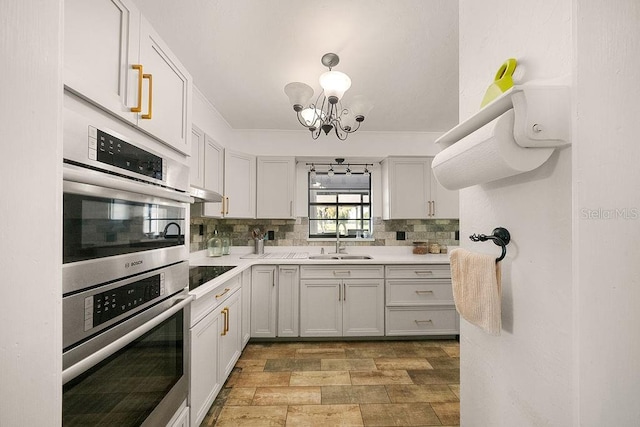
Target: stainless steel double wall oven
{"points": [[125, 277]]}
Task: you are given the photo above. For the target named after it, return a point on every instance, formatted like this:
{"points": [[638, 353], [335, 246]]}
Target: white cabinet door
{"points": [[167, 97], [275, 187], [411, 191], [445, 203], [100, 45], [288, 298], [204, 380], [321, 308], [406, 187], [263, 301], [239, 185], [363, 307], [213, 165], [246, 306], [196, 162], [230, 337], [213, 175]]}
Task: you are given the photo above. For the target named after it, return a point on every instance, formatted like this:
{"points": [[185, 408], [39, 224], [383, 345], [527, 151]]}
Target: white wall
{"points": [[606, 180], [523, 377], [30, 213]]}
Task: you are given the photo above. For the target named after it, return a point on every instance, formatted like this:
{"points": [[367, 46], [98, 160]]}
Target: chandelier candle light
{"points": [[327, 113]]}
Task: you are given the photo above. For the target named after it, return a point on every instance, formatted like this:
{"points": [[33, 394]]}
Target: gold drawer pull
{"points": [[138, 107], [424, 292], [225, 291], [150, 99], [423, 321]]}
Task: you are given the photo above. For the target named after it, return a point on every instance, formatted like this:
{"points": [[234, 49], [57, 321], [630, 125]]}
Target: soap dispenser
{"points": [[214, 245]]}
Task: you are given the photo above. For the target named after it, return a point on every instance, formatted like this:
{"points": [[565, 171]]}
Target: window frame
{"points": [[361, 205]]}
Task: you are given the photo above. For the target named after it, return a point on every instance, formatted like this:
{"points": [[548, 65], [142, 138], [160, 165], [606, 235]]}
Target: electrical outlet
{"points": [[271, 235], [401, 235]]}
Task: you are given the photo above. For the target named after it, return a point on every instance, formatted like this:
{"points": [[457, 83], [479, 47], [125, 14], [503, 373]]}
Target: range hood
{"points": [[201, 195]]}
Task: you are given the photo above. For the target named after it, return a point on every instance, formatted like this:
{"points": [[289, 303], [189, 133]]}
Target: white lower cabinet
{"points": [[216, 343], [181, 417], [288, 300], [419, 301], [263, 301], [246, 307], [274, 301], [341, 301]]}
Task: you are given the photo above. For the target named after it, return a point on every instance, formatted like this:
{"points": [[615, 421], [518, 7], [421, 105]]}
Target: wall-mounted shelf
{"points": [[542, 116]]}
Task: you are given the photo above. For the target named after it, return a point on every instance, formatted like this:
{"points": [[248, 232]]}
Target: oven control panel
{"points": [[102, 307], [114, 151]]}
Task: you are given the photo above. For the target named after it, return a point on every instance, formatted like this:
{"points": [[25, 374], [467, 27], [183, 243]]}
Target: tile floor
{"points": [[354, 383]]}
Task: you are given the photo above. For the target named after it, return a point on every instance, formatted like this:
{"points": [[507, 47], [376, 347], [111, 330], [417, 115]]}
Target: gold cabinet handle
{"points": [[423, 292], [227, 320], [423, 321], [150, 102], [225, 291], [224, 327], [138, 108], [227, 211], [418, 272], [344, 292], [433, 204], [222, 211], [339, 272]]}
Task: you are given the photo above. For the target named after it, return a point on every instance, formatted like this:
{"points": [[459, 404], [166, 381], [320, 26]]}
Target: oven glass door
{"points": [[127, 387], [100, 222]]}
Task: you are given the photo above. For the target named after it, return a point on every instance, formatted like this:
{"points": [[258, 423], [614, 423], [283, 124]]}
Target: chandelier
{"points": [[328, 113]]}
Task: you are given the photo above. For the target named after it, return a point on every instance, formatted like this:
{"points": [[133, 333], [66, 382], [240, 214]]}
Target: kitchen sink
{"points": [[340, 256]]}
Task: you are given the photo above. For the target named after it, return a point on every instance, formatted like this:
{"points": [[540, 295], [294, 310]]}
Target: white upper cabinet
{"points": [[410, 191], [98, 53], [114, 59], [196, 163], [167, 96], [275, 187], [239, 199], [213, 165]]}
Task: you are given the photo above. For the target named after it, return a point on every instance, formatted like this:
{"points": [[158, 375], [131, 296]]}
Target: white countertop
{"points": [[298, 255]]}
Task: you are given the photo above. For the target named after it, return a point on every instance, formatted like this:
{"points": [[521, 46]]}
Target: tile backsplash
{"points": [[294, 232]]}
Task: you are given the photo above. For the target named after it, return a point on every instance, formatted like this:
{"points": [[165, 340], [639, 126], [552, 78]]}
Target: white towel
{"points": [[477, 291]]}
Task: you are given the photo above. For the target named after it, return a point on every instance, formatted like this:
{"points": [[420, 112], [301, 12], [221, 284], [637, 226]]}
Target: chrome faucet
{"points": [[339, 249]]}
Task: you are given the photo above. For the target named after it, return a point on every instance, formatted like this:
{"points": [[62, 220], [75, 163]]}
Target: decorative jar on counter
{"points": [[420, 248], [214, 245], [434, 248]]}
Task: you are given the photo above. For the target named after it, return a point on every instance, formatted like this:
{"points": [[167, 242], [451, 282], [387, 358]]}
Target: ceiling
{"points": [[400, 54]]}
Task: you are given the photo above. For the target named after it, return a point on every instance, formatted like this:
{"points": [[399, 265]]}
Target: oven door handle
{"points": [[87, 363], [72, 173]]}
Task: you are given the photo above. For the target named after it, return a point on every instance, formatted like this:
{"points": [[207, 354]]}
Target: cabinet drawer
{"points": [[204, 305], [419, 292], [421, 321], [425, 271], [341, 271]]}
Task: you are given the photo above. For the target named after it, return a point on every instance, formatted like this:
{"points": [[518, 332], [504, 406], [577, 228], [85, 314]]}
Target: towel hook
{"points": [[500, 237]]}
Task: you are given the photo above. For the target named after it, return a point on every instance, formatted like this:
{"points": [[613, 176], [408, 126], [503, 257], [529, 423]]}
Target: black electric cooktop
{"points": [[202, 274]]}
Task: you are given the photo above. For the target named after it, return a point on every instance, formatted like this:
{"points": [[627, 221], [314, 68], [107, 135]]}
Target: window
{"points": [[339, 202]]}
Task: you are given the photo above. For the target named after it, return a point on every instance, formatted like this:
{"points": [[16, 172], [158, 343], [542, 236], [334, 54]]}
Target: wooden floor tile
{"points": [[258, 379], [406, 363], [324, 415], [348, 365], [448, 413], [320, 353], [273, 396], [435, 376], [399, 414], [320, 378], [290, 365], [344, 394], [238, 416], [411, 393], [380, 377]]}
